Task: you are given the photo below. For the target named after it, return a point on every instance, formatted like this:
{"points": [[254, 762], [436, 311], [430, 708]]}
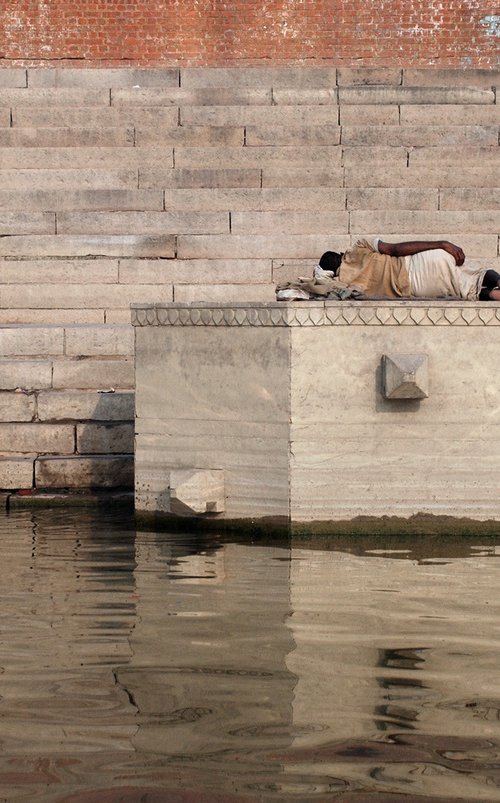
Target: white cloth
{"points": [[434, 274]]}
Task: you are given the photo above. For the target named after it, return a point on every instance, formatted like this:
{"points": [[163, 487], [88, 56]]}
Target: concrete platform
{"points": [[315, 416]]}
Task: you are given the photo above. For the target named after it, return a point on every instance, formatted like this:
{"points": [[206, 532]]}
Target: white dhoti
{"points": [[434, 274]]}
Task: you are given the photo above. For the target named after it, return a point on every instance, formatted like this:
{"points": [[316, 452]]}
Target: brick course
{"points": [[417, 33]]}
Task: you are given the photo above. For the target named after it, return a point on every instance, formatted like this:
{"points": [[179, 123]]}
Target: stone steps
{"points": [[124, 185], [63, 438], [66, 392]]}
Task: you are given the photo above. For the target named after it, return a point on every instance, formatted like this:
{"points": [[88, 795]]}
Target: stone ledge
{"points": [[320, 313], [73, 498]]}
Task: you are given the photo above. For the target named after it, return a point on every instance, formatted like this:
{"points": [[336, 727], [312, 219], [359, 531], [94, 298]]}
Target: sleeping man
{"points": [[415, 269]]}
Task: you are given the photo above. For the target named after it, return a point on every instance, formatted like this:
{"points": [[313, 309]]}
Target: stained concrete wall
{"points": [[186, 184]]}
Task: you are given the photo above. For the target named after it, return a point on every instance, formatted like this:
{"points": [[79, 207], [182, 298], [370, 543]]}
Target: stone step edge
{"points": [[73, 498]]}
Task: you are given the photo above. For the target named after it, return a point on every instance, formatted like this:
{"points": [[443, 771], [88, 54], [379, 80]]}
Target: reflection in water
{"points": [[143, 666]]}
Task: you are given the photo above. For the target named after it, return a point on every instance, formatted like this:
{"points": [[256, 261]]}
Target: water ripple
{"points": [[144, 666]]}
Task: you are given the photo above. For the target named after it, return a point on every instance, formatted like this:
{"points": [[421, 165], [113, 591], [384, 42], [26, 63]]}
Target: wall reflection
{"points": [[176, 664], [209, 647], [395, 656]]}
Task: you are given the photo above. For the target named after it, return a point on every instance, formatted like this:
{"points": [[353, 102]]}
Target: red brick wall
{"points": [[441, 33]]}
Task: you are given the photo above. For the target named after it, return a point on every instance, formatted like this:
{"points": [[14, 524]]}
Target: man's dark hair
{"points": [[331, 261]]}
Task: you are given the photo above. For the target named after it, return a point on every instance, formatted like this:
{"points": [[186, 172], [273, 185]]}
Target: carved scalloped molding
{"points": [[314, 314]]}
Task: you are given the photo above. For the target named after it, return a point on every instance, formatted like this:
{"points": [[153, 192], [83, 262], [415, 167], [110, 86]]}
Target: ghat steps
{"points": [[121, 186]]}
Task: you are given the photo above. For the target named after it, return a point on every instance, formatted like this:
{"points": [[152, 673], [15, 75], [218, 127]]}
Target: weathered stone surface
{"points": [[31, 341], [35, 437], [453, 77], [254, 433], [350, 76], [212, 178], [117, 315], [16, 472], [371, 157], [13, 77], [288, 222], [247, 247], [5, 118], [392, 198], [85, 157], [89, 373], [258, 76], [472, 222], [470, 155], [303, 177], [99, 471], [436, 175], [58, 271], [415, 94], [66, 137], [17, 406], [178, 96], [305, 97], [189, 135], [105, 438], [365, 114], [287, 270], [54, 97], [83, 405], [287, 156], [21, 222], [42, 180], [93, 117], [473, 199], [298, 135], [89, 245], [412, 136], [259, 115], [45, 316], [107, 340], [25, 374], [450, 115], [267, 199], [97, 296], [224, 292], [67, 199], [144, 223], [80, 405], [220, 271], [103, 77]]}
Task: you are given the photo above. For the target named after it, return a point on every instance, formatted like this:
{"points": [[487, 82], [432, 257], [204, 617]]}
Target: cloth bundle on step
{"points": [[323, 285]]}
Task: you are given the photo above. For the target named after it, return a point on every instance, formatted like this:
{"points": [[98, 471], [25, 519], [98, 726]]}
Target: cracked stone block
{"points": [[405, 376], [196, 491]]}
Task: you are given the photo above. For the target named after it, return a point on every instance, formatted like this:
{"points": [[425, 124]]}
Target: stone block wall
{"points": [[201, 184]]}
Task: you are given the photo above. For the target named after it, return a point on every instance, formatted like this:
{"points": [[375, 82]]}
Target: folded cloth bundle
{"points": [[318, 287]]}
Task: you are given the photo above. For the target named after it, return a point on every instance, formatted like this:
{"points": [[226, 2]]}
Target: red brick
{"points": [[413, 33]]}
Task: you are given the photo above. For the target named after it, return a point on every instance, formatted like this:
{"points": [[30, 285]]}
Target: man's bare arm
{"points": [[416, 246]]}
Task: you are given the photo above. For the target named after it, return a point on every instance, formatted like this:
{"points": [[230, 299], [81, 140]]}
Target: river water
{"points": [[148, 666]]}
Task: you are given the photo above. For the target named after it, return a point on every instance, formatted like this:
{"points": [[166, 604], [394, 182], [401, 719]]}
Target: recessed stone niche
{"points": [[306, 414]]}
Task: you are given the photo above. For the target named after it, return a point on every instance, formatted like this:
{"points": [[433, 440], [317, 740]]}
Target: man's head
{"points": [[331, 261]]}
